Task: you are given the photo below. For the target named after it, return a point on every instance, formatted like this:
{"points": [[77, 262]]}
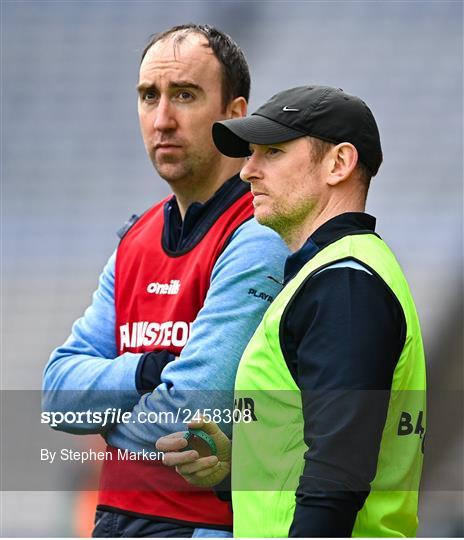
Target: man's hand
{"points": [[198, 471]]}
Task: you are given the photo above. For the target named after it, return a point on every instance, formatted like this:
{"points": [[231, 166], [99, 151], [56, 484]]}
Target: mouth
{"points": [[166, 146], [258, 197]]}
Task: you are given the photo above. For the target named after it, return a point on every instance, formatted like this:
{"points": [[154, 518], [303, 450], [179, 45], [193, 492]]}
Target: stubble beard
{"points": [[278, 224], [186, 172], [173, 170], [286, 221], [274, 218]]}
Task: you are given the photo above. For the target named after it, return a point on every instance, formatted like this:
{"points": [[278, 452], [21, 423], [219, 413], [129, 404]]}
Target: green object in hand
{"points": [[201, 442]]}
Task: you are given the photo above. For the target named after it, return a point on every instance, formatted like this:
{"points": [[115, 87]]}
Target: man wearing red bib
{"points": [[178, 300]]}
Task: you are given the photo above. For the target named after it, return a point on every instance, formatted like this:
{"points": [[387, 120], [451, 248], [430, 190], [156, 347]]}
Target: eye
{"points": [[272, 151], [184, 95], [149, 95]]}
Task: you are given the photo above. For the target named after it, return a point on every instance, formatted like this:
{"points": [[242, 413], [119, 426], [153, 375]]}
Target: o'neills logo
{"points": [[164, 288], [146, 334]]}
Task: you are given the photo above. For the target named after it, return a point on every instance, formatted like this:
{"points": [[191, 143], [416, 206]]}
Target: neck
{"points": [[202, 189], [298, 236]]}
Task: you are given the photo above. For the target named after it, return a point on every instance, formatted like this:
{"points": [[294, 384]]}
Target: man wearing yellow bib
{"points": [[330, 392]]}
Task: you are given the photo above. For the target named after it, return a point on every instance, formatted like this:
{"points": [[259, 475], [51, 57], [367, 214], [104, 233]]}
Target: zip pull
{"points": [[281, 283]]}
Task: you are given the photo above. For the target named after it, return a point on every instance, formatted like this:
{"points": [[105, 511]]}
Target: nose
{"points": [[164, 119], [251, 170]]}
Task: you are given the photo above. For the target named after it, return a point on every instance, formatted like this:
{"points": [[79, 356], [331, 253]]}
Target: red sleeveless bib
{"points": [[157, 297]]}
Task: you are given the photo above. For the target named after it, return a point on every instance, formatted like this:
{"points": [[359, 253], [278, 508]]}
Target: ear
{"points": [[344, 158], [236, 108]]}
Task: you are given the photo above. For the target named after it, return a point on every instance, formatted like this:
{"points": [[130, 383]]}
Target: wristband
{"points": [[201, 442]]}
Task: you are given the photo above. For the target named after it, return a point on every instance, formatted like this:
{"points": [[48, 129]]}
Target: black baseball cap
{"points": [[323, 112]]}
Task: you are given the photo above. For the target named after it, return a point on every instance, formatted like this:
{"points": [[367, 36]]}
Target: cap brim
{"points": [[233, 137]]}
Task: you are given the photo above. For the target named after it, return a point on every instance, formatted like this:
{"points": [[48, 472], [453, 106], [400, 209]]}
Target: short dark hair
{"points": [[319, 149], [235, 72]]}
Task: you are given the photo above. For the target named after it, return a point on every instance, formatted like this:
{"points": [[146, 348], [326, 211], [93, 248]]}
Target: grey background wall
{"points": [[74, 168]]}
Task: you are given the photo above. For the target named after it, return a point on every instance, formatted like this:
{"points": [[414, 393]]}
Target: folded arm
{"points": [[203, 376]]}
